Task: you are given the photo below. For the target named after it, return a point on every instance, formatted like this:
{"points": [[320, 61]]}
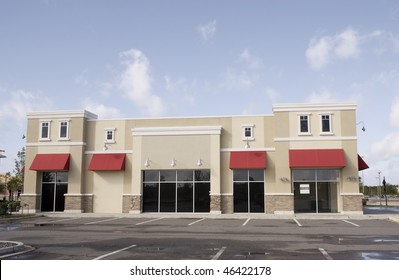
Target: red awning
{"points": [[107, 162], [50, 162], [248, 160], [361, 163], [317, 158]]}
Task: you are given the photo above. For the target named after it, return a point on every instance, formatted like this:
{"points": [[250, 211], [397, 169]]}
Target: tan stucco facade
{"points": [[195, 143]]}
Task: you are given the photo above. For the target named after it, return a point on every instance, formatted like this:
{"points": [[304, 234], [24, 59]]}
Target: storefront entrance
{"points": [[176, 191], [315, 191], [248, 188], [54, 187]]}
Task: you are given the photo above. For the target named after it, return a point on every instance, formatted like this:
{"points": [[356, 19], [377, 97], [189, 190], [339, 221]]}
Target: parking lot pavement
{"points": [[199, 238]]}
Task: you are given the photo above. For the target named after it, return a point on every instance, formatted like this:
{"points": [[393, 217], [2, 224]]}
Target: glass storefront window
{"points": [[151, 176], [176, 191], [315, 190], [167, 175], [303, 175], [184, 175], [327, 175], [202, 175]]}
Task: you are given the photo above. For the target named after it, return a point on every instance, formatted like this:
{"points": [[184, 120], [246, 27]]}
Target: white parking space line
{"points": [[114, 252], [153, 220], [97, 222], [215, 257], [246, 222], [56, 221], [325, 254], [353, 224], [298, 223], [197, 221]]}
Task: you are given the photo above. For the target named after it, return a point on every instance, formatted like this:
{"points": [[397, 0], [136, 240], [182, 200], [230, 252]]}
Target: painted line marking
{"points": [[246, 222], [153, 220], [97, 222], [215, 257], [298, 223], [197, 221], [56, 221], [353, 224], [325, 254], [114, 252]]}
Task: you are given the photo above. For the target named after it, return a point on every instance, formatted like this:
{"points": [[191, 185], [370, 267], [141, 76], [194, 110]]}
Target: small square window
{"points": [[248, 132], [110, 135]]}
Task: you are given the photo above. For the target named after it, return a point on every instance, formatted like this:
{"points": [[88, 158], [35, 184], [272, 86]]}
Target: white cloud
{"points": [[323, 50], [272, 94], [102, 111], [20, 103], [324, 96], [249, 59], [208, 30], [386, 148], [233, 79], [318, 53], [136, 83], [394, 116], [347, 44]]}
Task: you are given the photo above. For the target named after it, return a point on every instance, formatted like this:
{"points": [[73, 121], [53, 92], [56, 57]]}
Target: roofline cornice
{"points": [[62, 114]]}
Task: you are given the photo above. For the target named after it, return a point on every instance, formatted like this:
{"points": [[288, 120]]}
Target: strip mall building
{"points": [[301, 158]]}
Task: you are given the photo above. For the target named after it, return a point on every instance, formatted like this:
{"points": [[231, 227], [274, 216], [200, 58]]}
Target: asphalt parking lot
{"points": [[198, 238]]}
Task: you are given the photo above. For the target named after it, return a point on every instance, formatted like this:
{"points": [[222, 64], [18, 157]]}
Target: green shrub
{"points": [[3, 207], [14, 205]]}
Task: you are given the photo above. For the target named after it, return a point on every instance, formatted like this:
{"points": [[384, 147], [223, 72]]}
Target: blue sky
{"points": [[197, 58]]}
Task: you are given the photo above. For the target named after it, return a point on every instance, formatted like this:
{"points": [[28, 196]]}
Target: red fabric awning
{"points": [[317, 158], [50, 162], [361, 163], [107, 162], [248, 160]]}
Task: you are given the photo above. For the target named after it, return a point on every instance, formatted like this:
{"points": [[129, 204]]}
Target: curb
{"points": [[15, 248]]}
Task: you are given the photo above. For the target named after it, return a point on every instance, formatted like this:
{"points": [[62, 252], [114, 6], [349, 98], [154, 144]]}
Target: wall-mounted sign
{"points": [[304, 189]]}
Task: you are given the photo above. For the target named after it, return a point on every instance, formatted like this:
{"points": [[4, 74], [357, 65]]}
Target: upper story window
{"points": [[326, 127], [248, 132], [45, 130], [110, 135], [64, 130], [304, 124]]}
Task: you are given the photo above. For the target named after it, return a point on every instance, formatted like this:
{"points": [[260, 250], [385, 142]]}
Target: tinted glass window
{"points": [[304, 175], [168, 175], [185, 175], [256, 175], [151, 176], [202, 175]]}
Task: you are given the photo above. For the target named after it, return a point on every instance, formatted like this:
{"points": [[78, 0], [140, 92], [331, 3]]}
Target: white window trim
{"points": [[251, 126], [49, 130], [309, 132], [67, 138], [106, 140], [331, 132]]}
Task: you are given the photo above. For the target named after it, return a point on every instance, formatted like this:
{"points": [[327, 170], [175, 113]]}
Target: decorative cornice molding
{"points": [[314, 107], [62, 114]]}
